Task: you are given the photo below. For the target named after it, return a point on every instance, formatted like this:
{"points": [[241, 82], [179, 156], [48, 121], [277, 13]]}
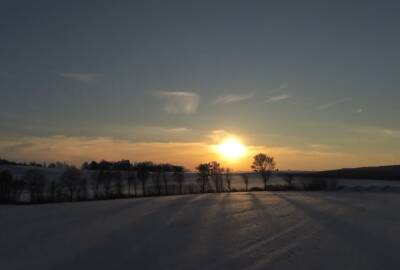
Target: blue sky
{"points": [[313, 83]]}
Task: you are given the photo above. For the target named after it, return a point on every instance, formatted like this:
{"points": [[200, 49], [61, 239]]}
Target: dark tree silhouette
{"points": [[98, 182], [6, 186], [156, 178], [82, 189], [263, 165], [245, 179], [165, 180], [53, 189], [228, 179], [288, 178], [117, 180], [179, 177], [36, 182], [143, 175], [108, 183], [132, 182], [70, 181], [216, 175], [203, 174], [18, 187]]}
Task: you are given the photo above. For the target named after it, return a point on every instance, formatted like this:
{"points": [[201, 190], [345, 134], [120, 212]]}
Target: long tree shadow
{"points": [[122, 238], [268, 237], [365, 241]]}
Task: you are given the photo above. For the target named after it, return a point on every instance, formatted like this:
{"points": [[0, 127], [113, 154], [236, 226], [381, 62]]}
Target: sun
{"points": [[231, 149]]}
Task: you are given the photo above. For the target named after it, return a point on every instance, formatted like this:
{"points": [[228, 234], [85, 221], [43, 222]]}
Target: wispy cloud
{"points": [[319, 146], [377, 131], [180, 102], [164, 129], [80, 77], [360, 110], [277, 98], [333, 103], [391, 132], [281, 87], [233, 98]]}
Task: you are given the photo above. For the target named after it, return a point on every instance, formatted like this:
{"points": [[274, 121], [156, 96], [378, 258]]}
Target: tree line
{"points": [[123, 179]]}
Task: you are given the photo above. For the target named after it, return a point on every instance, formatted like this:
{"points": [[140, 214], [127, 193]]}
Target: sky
{"points": [[313, 83]]}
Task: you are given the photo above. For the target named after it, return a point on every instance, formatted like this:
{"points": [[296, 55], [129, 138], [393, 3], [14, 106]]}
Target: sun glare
{"points": [[231, 149]]}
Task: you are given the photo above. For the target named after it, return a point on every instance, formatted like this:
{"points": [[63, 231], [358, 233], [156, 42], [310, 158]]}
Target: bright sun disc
{"points": [[231, 149]]}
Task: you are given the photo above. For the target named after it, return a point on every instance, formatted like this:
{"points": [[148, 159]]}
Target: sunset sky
{"points": [[313, 83]]}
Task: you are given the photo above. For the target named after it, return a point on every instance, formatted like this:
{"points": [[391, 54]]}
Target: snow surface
{"points": [[282, 230]]}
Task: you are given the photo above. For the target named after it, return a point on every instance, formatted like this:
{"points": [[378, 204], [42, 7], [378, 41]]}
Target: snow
{"points": [[259, 230]]}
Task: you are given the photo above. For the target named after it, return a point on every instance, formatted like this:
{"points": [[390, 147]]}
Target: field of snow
{"points": [[285, 230]]}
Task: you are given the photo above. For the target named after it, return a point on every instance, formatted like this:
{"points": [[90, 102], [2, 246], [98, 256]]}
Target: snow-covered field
{"points": [[292, 230]]}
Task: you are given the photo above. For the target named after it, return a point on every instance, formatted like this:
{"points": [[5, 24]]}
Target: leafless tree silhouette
{"points": [[288, 178], [179, 177], [156, 178], [245, 179], [216, 175], [132, 182], [36, 182], [263, 165], [6, 182], [98, 182], [143, 175], [165, 180], [203, 174], [70, 180], [228, 179]]}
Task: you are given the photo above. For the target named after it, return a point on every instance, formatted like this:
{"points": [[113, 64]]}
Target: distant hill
{"points": [[391, 172]]}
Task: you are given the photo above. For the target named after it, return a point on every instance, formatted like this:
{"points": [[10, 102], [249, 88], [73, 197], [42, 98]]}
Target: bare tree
{"points": [[165, 180], [18, 186], [143, 175], [288, 178], [263, 165], [36, 182], [156, 178], [98, 182], [179, 177], [108, 183], [82, 189], [216, 175], [245, 179], [132, 182], [6, 182], [117, 179], [53, 191], [70, 181], [203, 173], [228, 179]]}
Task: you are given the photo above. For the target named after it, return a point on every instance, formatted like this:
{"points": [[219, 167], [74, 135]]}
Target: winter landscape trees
{"points": [[123, 179]]}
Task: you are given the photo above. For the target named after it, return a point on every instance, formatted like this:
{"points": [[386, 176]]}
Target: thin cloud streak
{"points": [[281, 87], [80, 77], [232, 99], [277, 98], [334, 103], [180, 102], [164, 129], [377, 131]]}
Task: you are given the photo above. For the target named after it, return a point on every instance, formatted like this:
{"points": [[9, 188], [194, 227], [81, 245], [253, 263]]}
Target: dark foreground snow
{"points": [[212, 231]]}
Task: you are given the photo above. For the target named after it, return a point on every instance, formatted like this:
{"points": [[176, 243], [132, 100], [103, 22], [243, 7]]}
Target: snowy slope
{"points": [[346, 230]]}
